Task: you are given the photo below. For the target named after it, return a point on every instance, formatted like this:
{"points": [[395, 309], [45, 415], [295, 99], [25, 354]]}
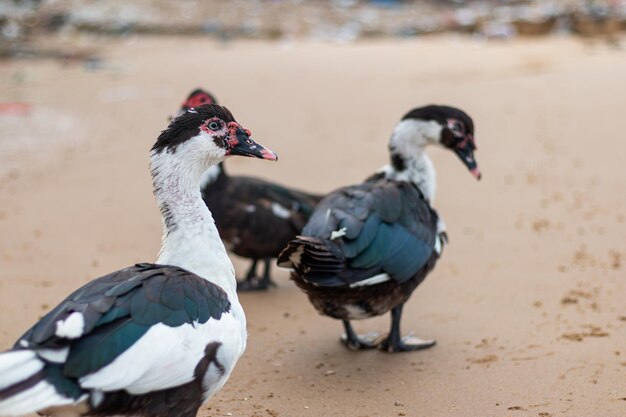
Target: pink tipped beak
{"points": [[476, 173], [243, 145], [269, 155]]}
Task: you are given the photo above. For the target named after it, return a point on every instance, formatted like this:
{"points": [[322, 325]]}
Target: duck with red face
{"points": [[255, 218], [153, 339]]}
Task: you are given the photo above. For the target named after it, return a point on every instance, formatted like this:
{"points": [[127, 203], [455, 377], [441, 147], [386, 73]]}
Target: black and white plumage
{"points": [[152, 339], [255, 218], [368, 246]]}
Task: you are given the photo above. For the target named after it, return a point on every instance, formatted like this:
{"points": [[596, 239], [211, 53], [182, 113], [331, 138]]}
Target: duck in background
{"points": [[154, 339], [368, 246], [255, 218]]}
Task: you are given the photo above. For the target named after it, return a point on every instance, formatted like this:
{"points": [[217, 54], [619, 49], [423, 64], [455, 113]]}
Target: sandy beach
{"points": [[527, 303]]}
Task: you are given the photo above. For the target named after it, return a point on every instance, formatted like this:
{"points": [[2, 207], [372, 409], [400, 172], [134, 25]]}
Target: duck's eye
{"points": [[456, 127], [214, 126]]}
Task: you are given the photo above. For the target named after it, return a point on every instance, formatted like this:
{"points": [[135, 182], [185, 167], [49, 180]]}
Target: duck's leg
{"points": [[355, 342], [253, 282], [267, 279], [249, 282], [395, 343]]}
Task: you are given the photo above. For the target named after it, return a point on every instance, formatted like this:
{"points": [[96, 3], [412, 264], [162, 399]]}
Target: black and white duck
{"points": [[154, 339], [255, 218], [197, 97], [368, 246]]}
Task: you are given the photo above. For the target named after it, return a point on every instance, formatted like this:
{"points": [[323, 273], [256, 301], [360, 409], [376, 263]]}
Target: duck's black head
{"points": [[209, 133], [448, 126]]}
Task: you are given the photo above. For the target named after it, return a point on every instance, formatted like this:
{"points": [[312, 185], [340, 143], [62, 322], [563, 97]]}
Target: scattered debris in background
{"points": [[330, 20]]}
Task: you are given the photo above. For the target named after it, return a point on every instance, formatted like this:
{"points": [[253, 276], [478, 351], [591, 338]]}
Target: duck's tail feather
{"points": [[313, 260], [27, 384]]}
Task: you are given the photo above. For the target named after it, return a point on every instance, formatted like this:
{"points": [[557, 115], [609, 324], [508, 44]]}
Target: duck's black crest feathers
{"points": [[187, 125], [440, 114]]}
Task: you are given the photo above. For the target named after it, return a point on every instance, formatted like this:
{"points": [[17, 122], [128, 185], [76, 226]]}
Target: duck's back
{"points": [[257, 218], [367, 245]]}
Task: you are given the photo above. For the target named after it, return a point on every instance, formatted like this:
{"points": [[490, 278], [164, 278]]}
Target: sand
{"points": [[527, 303]]}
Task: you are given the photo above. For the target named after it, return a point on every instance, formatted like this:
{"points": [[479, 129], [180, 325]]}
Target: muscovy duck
{"points": [[197, 97], [368, 246], [154, 339], [255, 218]]}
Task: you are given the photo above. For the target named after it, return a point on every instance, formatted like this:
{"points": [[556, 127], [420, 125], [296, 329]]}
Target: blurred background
{"points": [[330, 20], [527, 303]]}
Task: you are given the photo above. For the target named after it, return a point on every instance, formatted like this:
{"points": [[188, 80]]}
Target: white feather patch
{"points": [[72, 327], [441, 226], [16, 366], [250, 208], [14, 358], [54, 355], [438, 245], [376, 279], [280, 211], [356, 312], [210, 175], [96, 397], [335, 234], [38, 397], [166, 357]]}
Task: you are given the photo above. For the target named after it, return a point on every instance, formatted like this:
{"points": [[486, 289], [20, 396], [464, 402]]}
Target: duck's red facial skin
{"points": [[213, 125], [240, 143], [233, 128], [198, 100]]}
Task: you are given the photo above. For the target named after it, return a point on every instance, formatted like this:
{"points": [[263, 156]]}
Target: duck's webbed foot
{"points": [[407, 343], [358, 342], [395, 343]]}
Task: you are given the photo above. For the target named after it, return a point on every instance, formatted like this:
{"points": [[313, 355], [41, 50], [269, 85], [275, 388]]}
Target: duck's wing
{"points": [[140, 329], [359, 232], [299, 203], [256, 195]]}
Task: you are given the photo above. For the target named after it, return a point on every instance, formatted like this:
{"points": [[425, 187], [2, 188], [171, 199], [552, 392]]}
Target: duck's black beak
{"points": [[241, 144], [465, 151]]}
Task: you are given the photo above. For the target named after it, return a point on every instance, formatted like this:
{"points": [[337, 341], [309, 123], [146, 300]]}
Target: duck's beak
{"points": [[465, 151], [241, 144]]}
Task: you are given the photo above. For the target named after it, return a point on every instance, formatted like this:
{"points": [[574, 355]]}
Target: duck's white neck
{"points": [[190, 238], [211, 175], [409, 162], [417, 169]]}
